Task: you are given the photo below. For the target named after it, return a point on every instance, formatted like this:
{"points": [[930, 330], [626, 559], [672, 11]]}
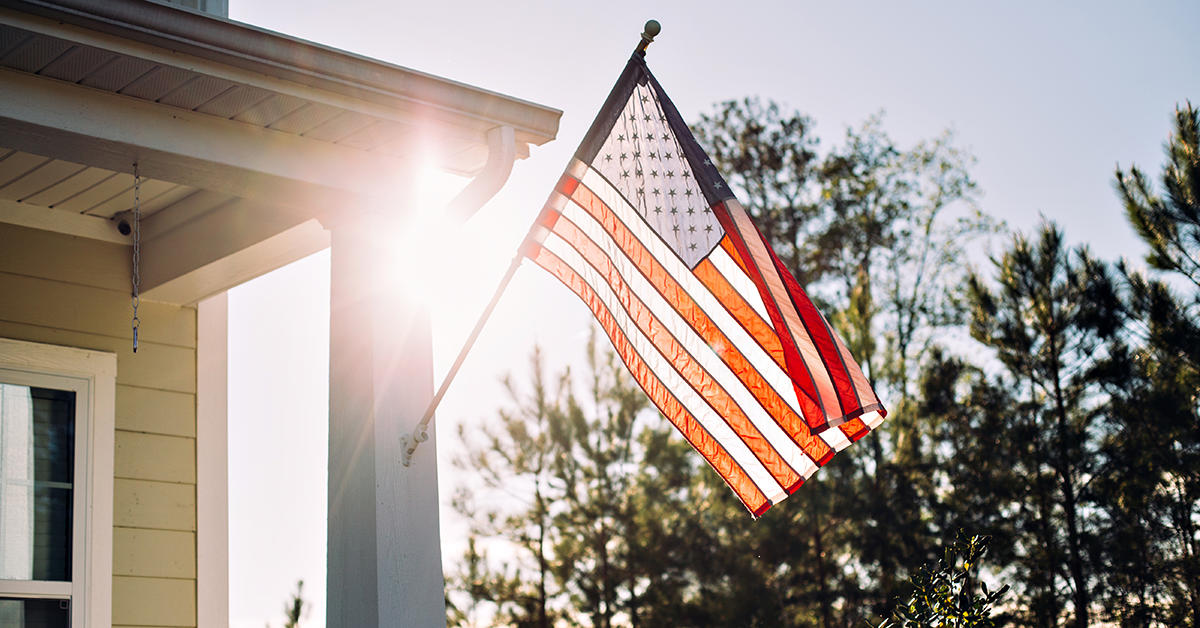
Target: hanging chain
{"points": [[137, 236]]}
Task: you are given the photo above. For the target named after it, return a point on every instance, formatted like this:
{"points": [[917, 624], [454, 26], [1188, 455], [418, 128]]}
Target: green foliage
{"points": [[295, 608], [1149, 487], [602, 521], [1068, 433], [1170, 225], [943, 594]]}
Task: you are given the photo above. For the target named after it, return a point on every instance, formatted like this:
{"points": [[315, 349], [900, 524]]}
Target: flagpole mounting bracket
{"points": [[409, 442]]}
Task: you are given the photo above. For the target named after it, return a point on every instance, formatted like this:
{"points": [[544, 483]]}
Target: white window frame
{"points": [[93, 377]]}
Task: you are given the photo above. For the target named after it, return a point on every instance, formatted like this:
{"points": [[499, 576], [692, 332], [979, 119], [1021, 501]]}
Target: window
{"points": [[56, 422]]}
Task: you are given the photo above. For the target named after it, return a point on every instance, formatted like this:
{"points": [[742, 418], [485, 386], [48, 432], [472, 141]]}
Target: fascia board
{"points": [[302, 62]]}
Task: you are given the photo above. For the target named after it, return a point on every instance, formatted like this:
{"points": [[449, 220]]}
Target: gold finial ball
{"points": [[653, 28]]}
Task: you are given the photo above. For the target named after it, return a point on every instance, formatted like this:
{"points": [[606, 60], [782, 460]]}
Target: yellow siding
{"points": [[156, 505], [153, 411], [154, 601], [155, 458], [155, 553], [69, 291]]}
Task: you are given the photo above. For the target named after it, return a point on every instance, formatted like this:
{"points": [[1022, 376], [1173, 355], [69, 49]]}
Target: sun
{"points": [[449, 268]]}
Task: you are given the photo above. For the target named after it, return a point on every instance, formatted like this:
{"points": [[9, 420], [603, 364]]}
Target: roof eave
{"points": [[259, 50]]}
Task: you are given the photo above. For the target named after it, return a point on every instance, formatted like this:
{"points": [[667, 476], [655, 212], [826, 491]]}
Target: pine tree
{"points": [[1039, 323], [1150, 486]]}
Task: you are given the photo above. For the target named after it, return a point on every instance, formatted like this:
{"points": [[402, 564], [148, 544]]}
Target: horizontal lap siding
{"points": [[68, 291]]}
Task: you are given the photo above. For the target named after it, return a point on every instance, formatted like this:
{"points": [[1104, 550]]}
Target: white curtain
{"points": [[16, 483]]}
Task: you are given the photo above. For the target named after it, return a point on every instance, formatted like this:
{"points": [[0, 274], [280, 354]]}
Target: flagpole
{"points": [[420, 433]]}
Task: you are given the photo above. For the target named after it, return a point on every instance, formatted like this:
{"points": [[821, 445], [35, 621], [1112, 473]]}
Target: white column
{"points": [[212, 462], [384, 561]]}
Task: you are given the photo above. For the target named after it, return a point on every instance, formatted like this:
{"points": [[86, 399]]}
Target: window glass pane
{"points": [[37, 462], [34, 613]]}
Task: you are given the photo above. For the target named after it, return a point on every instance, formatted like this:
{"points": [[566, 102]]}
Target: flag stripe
{"points": [[802, 357], [754, 368], [648, 309], [718, 447], [737, 277], [760, 331], [854, 429], [735, 378], [741, 311], [838, 395], [823, 336]]}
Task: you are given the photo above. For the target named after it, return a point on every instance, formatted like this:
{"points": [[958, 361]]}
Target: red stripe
{"points": [[854, 429], [683, 362], [694, 315], [704, 443], [822, 337], [797, 369]]}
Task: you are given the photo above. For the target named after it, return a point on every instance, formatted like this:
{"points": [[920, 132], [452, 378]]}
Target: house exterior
{"points": [[251, 150]]}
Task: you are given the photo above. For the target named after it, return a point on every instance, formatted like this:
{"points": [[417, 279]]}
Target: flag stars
{"points": [[692, 229], [637, 154], [645, 99], [654, 173], [672, 192], [624, 156], [658, 209], [621, 137], [671, 175], [608, 157], [688, 192], [652, 155], [656, 192], [638, 172], [692, 246], [708, 228], [624, 174]]}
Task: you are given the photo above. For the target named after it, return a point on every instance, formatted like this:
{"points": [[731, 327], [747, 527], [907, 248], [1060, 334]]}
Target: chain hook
{"points": [[137, 236]]}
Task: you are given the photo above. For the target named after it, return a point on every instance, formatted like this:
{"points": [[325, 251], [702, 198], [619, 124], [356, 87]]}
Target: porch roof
{"points": [[231, 125]]}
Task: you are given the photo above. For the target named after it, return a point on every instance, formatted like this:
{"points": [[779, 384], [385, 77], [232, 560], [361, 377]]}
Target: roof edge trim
{"points": [[308, 63]]}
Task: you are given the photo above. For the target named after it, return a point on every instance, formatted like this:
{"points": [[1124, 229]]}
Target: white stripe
{"points": [[740, 281], [662, 368], [835, 438], [692, 341], [756, 355], [872, 419]]}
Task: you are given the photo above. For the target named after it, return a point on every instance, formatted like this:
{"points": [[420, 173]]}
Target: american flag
{"points": [[709, 321]]}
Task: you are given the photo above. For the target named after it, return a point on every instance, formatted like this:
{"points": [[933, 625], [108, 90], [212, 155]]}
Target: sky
{"points": [[1049, 98]]}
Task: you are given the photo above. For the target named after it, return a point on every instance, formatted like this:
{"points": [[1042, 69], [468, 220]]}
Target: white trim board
{"points": [[99, 369]]}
